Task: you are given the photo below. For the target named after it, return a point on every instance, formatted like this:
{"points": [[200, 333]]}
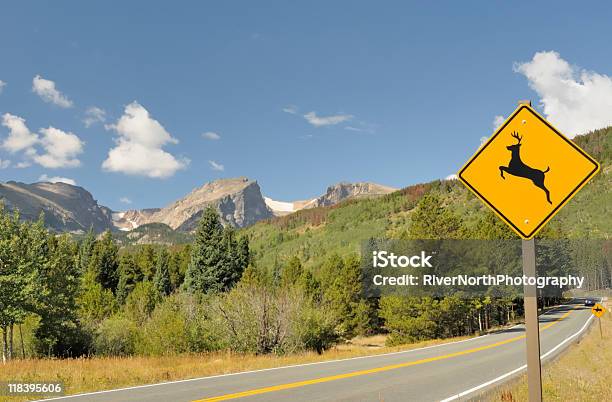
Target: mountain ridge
{"points": [[239, 201]]}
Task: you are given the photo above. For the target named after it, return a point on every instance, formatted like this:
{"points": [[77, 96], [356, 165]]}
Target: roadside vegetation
{"points": [[98, 373], [581, 374]]}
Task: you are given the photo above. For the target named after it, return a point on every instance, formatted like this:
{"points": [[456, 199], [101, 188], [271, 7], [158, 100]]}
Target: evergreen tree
{"points": [[432, 220], [216, 260], [207, 256], [341, 288], [86, 250], [244, 254], [161, 279], [104, 262], [129, 276], [145, 258]]}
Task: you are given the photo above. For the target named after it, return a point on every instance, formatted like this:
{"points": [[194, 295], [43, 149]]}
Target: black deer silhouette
{"points": [[516, 167]]}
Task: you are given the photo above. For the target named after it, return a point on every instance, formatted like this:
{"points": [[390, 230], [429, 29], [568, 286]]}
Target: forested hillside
{"points": [[316, 233]]}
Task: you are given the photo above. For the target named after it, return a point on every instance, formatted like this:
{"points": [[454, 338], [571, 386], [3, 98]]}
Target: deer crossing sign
{"points": [[527, 171]]}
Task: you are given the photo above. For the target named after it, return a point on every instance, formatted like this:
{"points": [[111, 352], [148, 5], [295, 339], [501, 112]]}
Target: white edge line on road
{"points": [[510, 373], [278, 368], [260, 370]]}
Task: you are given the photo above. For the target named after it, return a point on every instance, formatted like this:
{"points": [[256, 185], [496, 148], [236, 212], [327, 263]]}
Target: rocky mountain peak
{"points": [[344, 190], [238, 201]]}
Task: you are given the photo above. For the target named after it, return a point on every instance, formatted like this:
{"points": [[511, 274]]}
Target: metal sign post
{"points": [[532, 330]]}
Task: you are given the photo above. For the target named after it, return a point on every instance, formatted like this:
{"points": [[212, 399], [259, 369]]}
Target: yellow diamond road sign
{"points": [[527, 171], [598, 310]]}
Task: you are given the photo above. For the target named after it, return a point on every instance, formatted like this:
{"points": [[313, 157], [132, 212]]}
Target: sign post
{"points": [[526, 172], [532, 330], [598, 310]]}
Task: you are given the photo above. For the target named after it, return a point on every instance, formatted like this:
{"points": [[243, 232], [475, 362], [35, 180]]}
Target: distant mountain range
{"points": [[334, 194], [239, 201]]}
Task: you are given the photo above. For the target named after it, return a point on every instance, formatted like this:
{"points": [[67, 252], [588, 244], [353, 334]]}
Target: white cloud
{"points": [[4, 163], [125, 200], [451, 177], [210, 135], [351, 128], [319, 121], [573, 99], [56, 179], [23, 164], [291, 109], [48, 93], [61, 149], [138, 149], [20, 137], [498, 121], [216, 166], [2, 85], [94, 115]]}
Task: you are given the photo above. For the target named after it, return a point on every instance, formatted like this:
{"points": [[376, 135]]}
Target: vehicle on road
{"points": [[589, 302]]}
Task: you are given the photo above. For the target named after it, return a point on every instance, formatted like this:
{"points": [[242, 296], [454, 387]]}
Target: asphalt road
{"points": [[453, 371]]}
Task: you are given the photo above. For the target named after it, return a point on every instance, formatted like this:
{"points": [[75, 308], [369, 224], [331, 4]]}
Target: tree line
{"points": [[63, 297]]}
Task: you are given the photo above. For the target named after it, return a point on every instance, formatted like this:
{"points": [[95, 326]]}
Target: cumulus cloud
{"points": [[573, 99], [451, 177], [48, 93], [210, 135], [94, 115], [2, 85], [20, 138], [61, 149], [138, 149], [216, 166], [56, 179], [125, 200], [291, 109], [320, 121], [4, 163]]}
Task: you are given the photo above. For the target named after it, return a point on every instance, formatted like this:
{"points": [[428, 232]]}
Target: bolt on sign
{"points": [[527, 171], [598, 310]]}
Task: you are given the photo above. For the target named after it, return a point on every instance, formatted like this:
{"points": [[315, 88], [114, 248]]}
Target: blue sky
{"points": [[300, 95]]}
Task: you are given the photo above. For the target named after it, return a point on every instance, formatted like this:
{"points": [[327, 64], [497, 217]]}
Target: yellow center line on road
{"points": [[298, 384]]}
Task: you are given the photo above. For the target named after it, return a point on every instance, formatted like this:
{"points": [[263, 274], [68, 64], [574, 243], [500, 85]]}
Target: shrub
{"points": [[179, 324], [116, 336]]}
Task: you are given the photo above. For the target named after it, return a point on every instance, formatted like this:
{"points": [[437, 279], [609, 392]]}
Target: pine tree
{"points": [[86, 250], [161, 279], [145, 258], [244, 252], [104, 262], [129, 276], [217, 259], [432, 220], [204, 272]]}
